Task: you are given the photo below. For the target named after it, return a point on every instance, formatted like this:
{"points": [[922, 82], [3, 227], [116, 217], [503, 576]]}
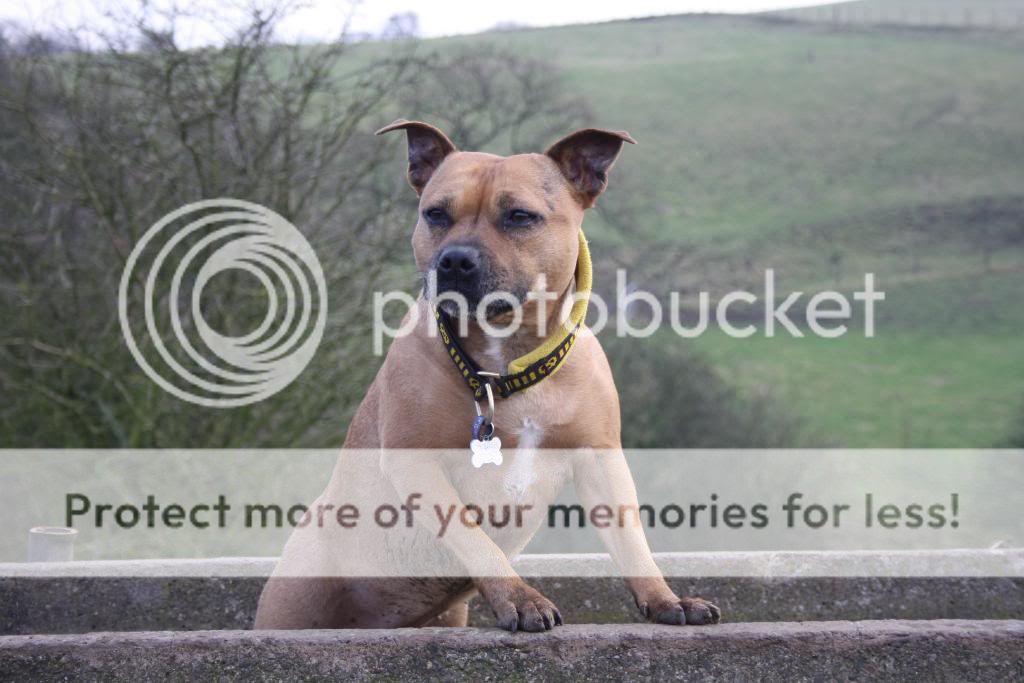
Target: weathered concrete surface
{"points": [[81, 597], [606, 601], [85, 604], [82, 605], [877, 650]]}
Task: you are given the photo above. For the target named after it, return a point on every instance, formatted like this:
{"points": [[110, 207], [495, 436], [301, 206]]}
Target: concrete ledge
{"points": [[877, 650], [80, 605], [963, 562], [82, 597]]}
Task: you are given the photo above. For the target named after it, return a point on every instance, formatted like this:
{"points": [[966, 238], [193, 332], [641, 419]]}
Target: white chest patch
{"points": [[495, 355], [521, 472]]}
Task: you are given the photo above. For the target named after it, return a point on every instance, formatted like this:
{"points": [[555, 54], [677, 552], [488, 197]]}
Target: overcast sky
{"points": [[321, 19]]}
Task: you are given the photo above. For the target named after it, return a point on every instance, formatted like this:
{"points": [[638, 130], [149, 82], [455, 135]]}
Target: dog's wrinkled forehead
{"points": [[474, 183]]}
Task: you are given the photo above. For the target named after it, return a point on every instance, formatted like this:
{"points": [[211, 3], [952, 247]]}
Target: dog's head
{"points": [[491, 227]]}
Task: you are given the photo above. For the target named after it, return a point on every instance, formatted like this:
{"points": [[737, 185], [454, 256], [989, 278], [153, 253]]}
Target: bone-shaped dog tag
{"points": [[486, 451]]}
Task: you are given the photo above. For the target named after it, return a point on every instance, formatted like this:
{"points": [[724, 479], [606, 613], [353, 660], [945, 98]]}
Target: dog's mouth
{"points": [[460, 302]]}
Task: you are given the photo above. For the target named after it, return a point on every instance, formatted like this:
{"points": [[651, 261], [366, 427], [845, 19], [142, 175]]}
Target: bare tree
{"points": [[98, 144], [482, 96], [401, 26]]}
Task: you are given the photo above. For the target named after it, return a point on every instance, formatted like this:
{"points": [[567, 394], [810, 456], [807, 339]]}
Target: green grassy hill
{"points": [[824, 152], [998, 14]]}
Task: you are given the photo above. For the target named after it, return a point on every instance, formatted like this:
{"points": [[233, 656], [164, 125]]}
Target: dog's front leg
{"points": [[602, 477], [516, 605]]}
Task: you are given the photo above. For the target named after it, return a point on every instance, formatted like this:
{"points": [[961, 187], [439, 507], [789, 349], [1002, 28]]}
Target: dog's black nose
{"points": [[458, 262]]}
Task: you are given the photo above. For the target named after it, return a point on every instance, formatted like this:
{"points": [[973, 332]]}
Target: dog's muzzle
{"points": [[463, 277]]}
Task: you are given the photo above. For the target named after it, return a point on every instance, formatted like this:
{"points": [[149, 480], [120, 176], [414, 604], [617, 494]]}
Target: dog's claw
{"points": [[507, 617], [530, 618], [529, 611], [679, 612], [700, 612], [552, 617], [674, 615]]}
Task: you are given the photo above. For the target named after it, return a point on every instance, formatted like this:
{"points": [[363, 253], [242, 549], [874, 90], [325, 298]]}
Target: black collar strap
{"points": [[504, 385]]}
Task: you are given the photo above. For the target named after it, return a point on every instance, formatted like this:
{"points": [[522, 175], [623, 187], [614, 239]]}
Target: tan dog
{"points": [[487, 223]]}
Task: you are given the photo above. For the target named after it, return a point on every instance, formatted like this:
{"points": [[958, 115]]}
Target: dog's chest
{"points": [[522, 470], [528, 474]]}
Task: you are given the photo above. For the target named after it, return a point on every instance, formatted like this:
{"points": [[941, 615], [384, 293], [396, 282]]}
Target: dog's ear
{"points": [[428, 147], [585, 158]]}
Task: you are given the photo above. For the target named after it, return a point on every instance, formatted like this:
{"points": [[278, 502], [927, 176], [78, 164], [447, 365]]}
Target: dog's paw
{"points": [[680, 611], [525, 609]]}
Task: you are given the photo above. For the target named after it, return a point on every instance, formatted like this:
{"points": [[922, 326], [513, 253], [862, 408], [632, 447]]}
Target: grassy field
{"points": [[1000, 14], [945, 370], [904, 389], [824, 153]]}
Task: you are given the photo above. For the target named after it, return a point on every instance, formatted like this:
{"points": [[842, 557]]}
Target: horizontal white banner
{"points": [[433, 513]]}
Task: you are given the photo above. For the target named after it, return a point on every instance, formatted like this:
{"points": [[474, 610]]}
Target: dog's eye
{"points": [[520, 218], [437, 218]]}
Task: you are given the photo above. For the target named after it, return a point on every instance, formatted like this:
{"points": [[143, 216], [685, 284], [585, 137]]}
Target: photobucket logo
{"points": [[172, 265], [639, 313]]}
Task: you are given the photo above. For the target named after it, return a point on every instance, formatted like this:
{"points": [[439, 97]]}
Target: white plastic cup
{"points": [[51, 544]]}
